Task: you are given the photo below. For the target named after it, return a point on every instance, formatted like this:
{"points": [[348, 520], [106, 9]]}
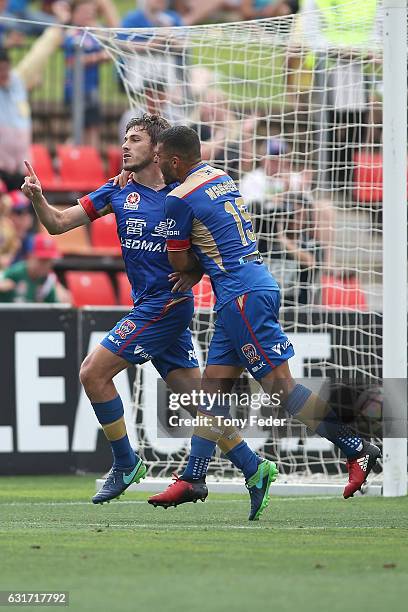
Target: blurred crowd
{"points": [[146, 13], [295, 222], [26, 258]]}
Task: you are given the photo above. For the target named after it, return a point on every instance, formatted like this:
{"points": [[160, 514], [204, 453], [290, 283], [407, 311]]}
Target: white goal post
{"points": [[395, 277], [293, 113]]}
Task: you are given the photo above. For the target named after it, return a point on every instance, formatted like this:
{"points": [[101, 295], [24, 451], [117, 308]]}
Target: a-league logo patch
{"points": [[125, 328], [132, 201], [250, 353]]}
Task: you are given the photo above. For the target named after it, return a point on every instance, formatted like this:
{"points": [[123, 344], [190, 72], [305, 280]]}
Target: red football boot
{"points": [[359, 468], [179, 492]]}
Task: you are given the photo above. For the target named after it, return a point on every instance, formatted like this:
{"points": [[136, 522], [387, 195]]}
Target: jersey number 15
{"points": [[241, 215]]}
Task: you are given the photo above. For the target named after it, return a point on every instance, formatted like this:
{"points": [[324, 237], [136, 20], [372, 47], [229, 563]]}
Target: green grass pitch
{"points": [[305, 554]]}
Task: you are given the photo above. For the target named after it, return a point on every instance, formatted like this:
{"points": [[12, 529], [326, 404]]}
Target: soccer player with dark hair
{"points": [[157, 328], [212, 232]]}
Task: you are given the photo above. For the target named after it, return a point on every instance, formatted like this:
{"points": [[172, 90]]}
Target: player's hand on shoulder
{"points": [[31, 186], [123, 178], [184, 281]]}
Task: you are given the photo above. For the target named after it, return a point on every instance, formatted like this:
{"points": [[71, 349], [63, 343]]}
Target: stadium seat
{"points": [[368, 177], [125, 297], [114, 155], [42, 164], [90, 288], [203, 295], [80, 167], [342, 294], [104, 237], [74, 242]]}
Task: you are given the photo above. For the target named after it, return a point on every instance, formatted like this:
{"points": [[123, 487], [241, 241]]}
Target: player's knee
{"points": [[87, 375], [94, 376], [279, 380]]}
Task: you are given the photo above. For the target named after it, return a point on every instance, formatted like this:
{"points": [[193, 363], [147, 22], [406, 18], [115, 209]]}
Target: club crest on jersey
{"points": [[125, 328], [132, 201], [250, 353]]}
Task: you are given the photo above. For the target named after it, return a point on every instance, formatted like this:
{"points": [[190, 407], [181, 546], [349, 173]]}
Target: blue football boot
{"points": [[258, 487], [117, 481]]}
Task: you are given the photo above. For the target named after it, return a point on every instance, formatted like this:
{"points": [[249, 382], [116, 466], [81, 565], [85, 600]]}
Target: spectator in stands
{"points": [[296, 247], [15, 121], [10, 36], [22, 219], [218, 129], [265, 187], [84, 13], [146, 62], [107, 13], [260, 9], [33, 280], [48, 6], [9, 242], [193, 12], [155, 99], [272, 177], [152, 14], [22, 10], [344, 26]]}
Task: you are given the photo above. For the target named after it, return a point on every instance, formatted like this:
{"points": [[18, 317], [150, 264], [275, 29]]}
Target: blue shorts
{"points": [[158, 333], [247, 333]]}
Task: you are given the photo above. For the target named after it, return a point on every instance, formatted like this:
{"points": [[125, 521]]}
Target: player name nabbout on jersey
{"points": [[221, 189], [207, 421]]}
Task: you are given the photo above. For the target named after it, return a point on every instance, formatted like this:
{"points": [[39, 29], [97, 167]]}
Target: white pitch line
{"points": [[187, 526], [91, 505], [64, 503], [134, 501], [178, 526]]}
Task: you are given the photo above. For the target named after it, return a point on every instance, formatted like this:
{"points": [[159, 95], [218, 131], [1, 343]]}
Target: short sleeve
{"points": [[179, 218], [95, 202]]}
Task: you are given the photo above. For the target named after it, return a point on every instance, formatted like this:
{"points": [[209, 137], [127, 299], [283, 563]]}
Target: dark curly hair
{"points": [[154, 125]]}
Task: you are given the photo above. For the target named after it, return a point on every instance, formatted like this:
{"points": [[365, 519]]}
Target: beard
{"points": [[168, 176], [168, 180], [137, 167]]}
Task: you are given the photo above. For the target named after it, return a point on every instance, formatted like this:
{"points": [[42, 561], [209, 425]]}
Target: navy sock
{"points": [[341, 435], [200, 456], [107, 413], [330, 427], [244, 459], [123, 454]]}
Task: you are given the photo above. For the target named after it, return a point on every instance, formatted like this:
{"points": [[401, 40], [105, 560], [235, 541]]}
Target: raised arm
{"points": [[31, 67], [54, 220]]}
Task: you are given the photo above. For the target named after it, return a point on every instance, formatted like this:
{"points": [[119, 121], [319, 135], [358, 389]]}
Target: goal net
{"points": [[290, 108]]}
